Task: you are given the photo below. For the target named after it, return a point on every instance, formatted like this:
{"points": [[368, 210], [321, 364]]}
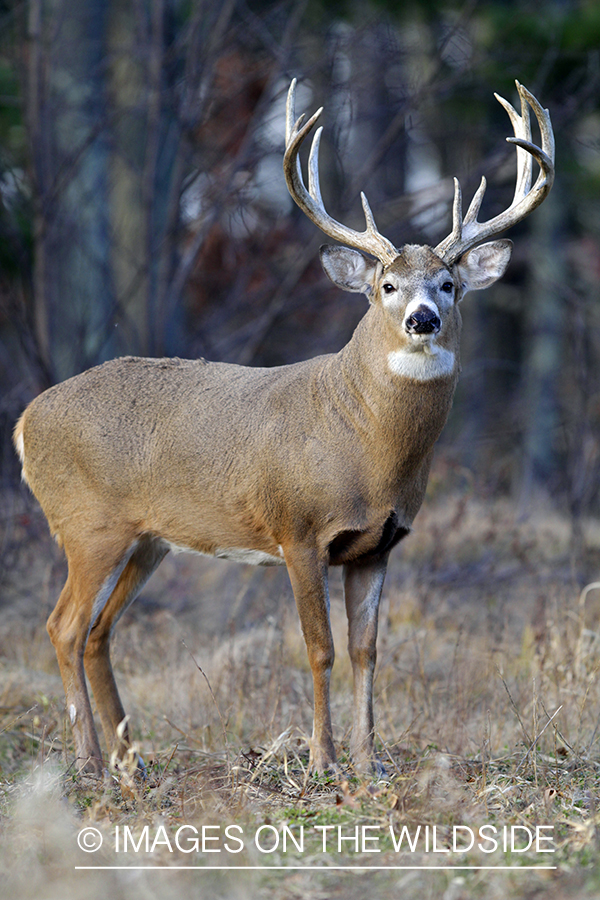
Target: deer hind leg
{"points": [[308, 576], [90, 580], [144, 559], [362, 592]]}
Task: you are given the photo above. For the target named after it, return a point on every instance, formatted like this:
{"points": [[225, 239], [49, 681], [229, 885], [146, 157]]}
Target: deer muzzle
{"points": [[423, 321]]}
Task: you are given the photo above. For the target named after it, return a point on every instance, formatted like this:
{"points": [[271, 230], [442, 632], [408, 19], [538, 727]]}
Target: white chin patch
{"points": [[422, 365]]}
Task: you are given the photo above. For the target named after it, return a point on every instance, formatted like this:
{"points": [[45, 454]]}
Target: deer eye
{"points": [[448, 287], [388, 288]]}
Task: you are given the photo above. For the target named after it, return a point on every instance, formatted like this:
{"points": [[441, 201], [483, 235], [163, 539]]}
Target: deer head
{"points": [[418, 288]]}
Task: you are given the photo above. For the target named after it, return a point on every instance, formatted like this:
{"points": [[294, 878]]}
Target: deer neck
{"points": [[380, 400]]}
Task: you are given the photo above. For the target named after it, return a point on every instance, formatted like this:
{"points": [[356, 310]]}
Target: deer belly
{"points": [[236, 554]]}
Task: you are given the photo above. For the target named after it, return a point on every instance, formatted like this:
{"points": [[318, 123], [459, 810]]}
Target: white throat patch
{"points": [[424, 364]]}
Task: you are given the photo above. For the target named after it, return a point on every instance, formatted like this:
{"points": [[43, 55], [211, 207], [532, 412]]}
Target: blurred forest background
{"points": [[143, 208]]}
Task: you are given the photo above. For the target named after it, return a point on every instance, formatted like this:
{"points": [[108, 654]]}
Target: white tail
{"points": [[320, 463]]}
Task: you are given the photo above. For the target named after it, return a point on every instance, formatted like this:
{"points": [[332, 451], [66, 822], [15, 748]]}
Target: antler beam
{"points": [[311, 202], [468, 231]]}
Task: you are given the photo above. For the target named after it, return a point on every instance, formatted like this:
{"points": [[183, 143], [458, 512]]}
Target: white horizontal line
{"points": [[325, 868]]}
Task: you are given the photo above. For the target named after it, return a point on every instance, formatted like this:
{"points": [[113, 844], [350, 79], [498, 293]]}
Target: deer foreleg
{"points": [[308, 576], [362, 592]]}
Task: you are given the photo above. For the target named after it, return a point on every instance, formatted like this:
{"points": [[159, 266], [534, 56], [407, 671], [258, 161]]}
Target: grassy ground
{"points": [[488, 716]]}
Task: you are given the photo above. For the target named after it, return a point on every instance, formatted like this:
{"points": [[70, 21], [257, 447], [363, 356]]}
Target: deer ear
{"points": [[483, 265], [349, 269]]}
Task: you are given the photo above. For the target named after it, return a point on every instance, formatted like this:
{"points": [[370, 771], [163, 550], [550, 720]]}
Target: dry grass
{"points": [[488, 713]]}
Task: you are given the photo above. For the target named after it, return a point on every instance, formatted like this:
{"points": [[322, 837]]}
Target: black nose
{"points": [[423, 321]]}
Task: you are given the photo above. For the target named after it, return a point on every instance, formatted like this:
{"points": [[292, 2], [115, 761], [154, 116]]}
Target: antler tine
{"points": [[475, 204], [469, 232], [311, 202], [545, 155], [456, 211], [314, 182], [522, 128], [292, 125], [524, 159]]}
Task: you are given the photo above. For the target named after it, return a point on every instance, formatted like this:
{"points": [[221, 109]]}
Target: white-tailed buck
{"points": [[319, 463]]}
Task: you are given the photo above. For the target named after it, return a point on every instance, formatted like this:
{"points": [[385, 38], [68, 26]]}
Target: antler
{"points": [[468, 231], [311, 202]]}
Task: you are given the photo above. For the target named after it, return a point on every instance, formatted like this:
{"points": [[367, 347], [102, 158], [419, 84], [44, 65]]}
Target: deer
{"points": [[319, 463]]}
